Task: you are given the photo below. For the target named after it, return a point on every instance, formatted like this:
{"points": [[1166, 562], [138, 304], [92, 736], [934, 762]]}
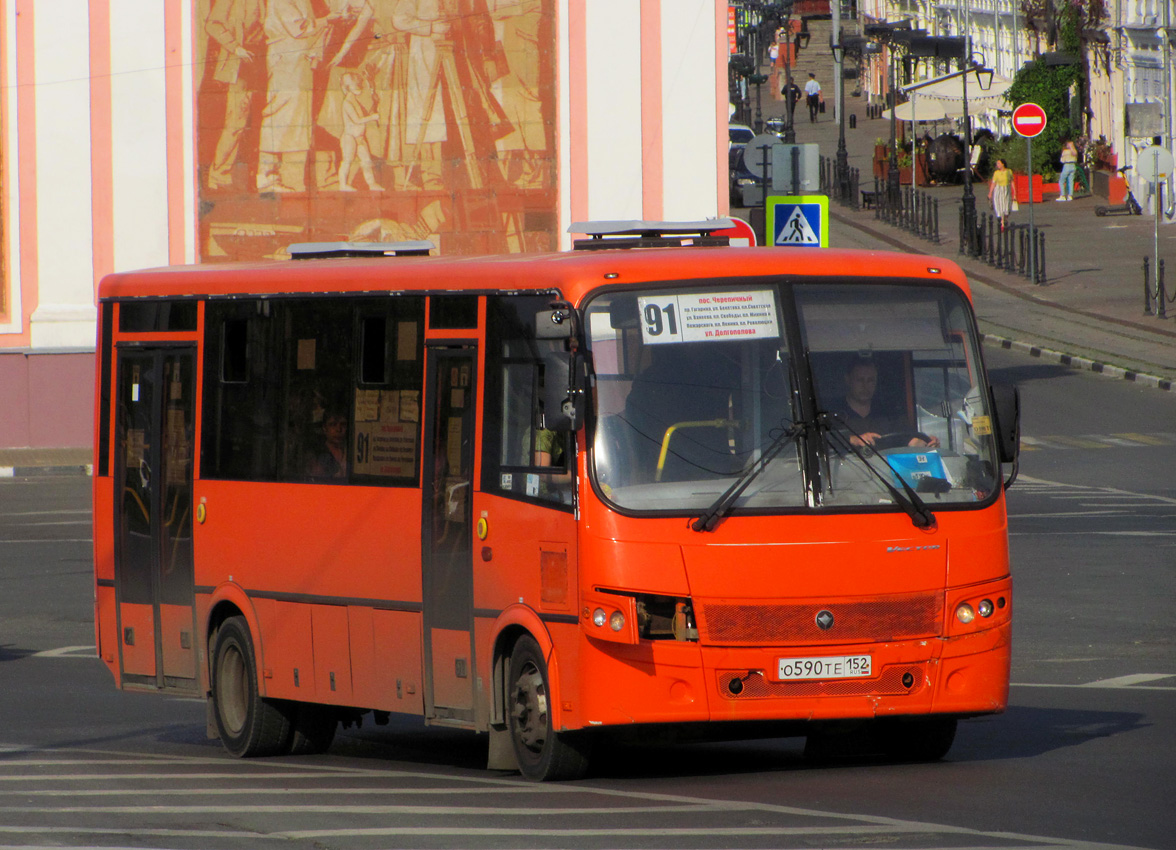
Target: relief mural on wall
{"points": [[376, 120]]}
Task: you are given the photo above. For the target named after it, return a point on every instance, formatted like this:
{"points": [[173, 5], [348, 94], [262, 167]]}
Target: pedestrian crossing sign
{"points": [[798, 221]]}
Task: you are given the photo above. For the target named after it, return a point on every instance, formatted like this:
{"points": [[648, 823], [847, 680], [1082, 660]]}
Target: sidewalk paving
{"points": [[1090, 311]]}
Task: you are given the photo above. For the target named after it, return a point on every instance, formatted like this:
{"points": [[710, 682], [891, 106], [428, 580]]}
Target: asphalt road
{"points": [[1082, 759]]}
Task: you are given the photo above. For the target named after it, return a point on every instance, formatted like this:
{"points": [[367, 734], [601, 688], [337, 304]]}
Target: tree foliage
{"points": [[1049, 87]]}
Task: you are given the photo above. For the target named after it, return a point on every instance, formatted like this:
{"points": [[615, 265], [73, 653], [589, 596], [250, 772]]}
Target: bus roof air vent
{"points": [[649, 234], [319, 250]]}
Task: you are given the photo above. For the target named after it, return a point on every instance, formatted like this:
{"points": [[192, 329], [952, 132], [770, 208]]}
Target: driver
{"points": [[858, 412]]}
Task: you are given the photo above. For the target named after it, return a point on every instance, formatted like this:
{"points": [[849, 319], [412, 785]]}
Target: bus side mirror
{"points": [[1006, 409], [563, 390]]}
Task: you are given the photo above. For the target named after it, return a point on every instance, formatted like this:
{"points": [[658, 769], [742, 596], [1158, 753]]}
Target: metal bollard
{"points": [[852, 121], [1040, 256], [1146, 287], [1161, 296]]}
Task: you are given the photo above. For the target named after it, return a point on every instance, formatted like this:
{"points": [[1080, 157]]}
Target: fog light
{"points": [[599, 617], [985, 608], [617, 621], [965, 613]]}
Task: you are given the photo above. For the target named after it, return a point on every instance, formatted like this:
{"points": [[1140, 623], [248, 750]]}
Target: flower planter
{"points": [[1021, 188]]}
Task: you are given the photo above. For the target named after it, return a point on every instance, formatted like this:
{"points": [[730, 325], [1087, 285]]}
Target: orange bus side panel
{"points": [[178, 641], [106, 628], [385, 659], [288, 660], [139, 655], [335, 544], [332, 654]]}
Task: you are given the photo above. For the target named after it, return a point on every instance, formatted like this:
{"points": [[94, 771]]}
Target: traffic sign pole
{"points": [[1032, 229], [1029, 121]]}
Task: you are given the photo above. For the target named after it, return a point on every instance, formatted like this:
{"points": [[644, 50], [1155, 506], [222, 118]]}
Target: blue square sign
{"points": [[798, 221]]}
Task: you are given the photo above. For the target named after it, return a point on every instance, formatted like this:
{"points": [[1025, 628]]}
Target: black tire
{"points": [[312, 728], [542, 754], [248, 725], [1100, 211], [917, 739]]}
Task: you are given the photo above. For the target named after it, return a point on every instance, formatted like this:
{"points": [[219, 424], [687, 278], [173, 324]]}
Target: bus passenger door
{"points": [[446, 534], [153, 493]]}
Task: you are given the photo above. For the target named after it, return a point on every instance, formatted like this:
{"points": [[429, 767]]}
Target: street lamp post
{"points": [[968, 211], [841, 164], [892, 179]]}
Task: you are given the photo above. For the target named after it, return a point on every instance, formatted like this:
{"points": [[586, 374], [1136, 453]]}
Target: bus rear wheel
{"points": [[312, 728], [248, 724], [542, 753]]}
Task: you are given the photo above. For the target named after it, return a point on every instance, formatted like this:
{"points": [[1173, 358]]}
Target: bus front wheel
{"points": [[248, 725], [919, 739], [542, 753]]}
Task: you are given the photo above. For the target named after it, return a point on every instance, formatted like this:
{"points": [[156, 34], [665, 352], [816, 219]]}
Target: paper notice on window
{"points": [[406, 340], [305, 354], [390, 406], [385, 448], [709, 316], [367, 405]]}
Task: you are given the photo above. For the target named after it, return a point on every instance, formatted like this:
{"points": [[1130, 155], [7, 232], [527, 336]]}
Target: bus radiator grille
{"points": [[755, 686], [888, 618]]}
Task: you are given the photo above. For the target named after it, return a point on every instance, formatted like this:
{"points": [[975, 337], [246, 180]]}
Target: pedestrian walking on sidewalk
{"points": [[812, 91], [1069, 170], [1000, 192], [791, 92]]}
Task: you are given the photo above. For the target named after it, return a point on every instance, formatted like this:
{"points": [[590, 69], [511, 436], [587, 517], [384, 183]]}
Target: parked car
{"points": [[738, 173]]}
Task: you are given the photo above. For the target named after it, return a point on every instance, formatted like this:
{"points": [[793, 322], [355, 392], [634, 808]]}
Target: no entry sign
{"points": [[1029, 120]]}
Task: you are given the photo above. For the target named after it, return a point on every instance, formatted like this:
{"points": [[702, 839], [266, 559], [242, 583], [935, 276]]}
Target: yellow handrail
{"points": [[701, 423]]}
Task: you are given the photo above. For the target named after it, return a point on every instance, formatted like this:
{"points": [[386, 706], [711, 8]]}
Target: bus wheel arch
{"points": [[247, 723], [541, 753]]}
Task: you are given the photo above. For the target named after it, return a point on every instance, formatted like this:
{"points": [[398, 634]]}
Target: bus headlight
{"points": [[985, 608], [617, 621], [599, 617], [965, 613]]}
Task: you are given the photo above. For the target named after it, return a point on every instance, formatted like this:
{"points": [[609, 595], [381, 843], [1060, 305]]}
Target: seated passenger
{"points": [[862, 417], [331, 459]]}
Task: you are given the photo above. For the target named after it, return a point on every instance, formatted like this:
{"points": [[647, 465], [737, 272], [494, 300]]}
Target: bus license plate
{"points": [[827, 667]]}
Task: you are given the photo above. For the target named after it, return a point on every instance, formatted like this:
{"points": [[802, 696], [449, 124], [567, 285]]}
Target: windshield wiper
{"points": [[722, 506], [907, 499]]}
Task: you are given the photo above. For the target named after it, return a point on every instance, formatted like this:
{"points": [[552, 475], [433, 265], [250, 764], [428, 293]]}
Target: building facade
{"points": [[141, 133]]}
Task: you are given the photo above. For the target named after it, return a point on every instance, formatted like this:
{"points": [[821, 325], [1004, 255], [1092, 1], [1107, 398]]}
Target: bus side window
{"points": [[521, 457], [389, 375], [241, 391]]}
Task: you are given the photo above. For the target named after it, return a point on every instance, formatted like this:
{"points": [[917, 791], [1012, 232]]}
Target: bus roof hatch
{"points": [[319, 250], [649, 234]]}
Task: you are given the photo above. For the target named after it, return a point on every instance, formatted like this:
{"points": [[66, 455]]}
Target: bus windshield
{"points": [[693, 385]]}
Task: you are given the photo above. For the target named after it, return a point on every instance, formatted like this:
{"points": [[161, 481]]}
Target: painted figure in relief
{"points": [[293, 49], [236, 26], [354, 141], [445, 107]]}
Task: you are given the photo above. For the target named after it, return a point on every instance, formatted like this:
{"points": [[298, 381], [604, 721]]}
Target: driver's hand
{"points": [[930, 443], [866, 439]]}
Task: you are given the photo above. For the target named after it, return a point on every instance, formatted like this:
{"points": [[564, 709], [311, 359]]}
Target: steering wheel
{"points": [[898, 439]]}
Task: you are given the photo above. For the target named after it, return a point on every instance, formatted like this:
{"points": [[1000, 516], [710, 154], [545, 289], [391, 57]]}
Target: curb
{"points": [[39, 471], [1080, 362]]}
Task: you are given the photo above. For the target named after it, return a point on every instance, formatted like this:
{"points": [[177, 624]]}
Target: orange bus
{"points": [[651, 483]]}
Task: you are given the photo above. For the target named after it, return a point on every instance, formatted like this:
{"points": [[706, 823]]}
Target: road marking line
{"points": [[1128, 681], [67, 652]]}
